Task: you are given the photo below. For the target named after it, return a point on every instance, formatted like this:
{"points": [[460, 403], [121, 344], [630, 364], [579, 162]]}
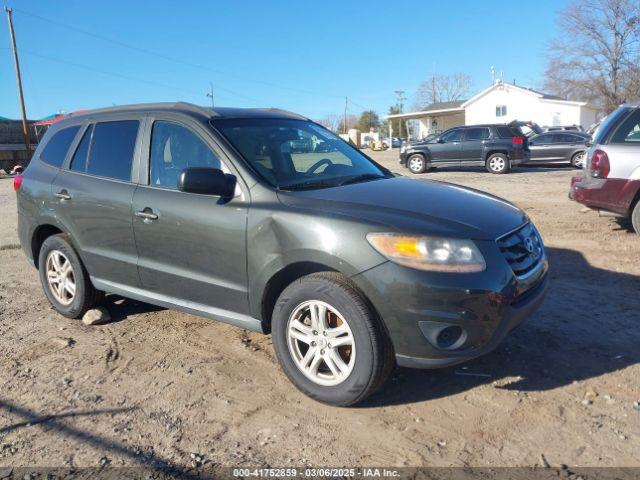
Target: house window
{"points": [[501, 111]]}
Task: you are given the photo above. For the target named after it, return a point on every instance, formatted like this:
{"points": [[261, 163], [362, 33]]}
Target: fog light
{"points": [[448, 337]]}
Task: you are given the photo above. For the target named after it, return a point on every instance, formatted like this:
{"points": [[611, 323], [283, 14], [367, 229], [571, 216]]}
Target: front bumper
{"points": [[486, 306]]}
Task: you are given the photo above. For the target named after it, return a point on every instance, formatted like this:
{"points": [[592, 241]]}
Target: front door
{"points": [[542, 147], [191, 248], [95, 195], [447, 149]]}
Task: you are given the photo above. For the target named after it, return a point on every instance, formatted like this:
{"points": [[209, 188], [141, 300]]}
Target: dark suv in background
{"points": [[222, 213], [497, 147]]}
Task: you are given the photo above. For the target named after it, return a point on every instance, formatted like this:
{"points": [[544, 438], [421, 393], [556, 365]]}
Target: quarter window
{"points": [[111, 152], [629, 131], [506, 132], [174, 148], [501, 111], [79, 159], [56, 149]]}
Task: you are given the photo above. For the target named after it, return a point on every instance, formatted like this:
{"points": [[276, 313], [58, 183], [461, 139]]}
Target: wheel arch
{"points": [[280, 280], [40, 234], [493, 151]]}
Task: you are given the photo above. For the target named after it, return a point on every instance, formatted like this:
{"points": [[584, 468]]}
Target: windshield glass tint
{"points": [[296, 153]]}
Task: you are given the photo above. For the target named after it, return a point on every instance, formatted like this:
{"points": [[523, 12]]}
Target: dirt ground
{"points": [[161, 387]]}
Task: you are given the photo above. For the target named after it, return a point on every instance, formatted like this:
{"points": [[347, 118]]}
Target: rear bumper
{"points": [[611, 194]]}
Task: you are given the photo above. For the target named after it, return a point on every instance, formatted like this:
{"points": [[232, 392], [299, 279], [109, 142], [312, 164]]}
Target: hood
{"points": [[415, 206]]}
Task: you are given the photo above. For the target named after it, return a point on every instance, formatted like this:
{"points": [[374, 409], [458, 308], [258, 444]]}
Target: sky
{"points": [[304, 56]]}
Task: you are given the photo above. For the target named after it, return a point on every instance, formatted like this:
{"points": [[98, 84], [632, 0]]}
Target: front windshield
{"points": [[297, 154]]}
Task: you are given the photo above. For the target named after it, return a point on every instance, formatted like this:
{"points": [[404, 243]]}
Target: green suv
{"points": [[220, 213]]}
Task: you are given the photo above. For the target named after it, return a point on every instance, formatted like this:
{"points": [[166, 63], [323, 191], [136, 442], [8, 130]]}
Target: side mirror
{"points": [[531, 142], [207, 181], [439, 140]]}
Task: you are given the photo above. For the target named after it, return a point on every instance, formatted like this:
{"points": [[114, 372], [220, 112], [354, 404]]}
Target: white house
{"points": [[500, 103]]}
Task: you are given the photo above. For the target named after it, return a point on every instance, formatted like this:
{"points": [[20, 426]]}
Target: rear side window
{"points": [[111, 152], [629, 130], [477, 134], [56, 149], [79, 159]]}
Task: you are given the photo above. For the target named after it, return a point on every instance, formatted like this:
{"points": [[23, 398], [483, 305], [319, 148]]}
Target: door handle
{"points": [[146, 214], [63, 195]]}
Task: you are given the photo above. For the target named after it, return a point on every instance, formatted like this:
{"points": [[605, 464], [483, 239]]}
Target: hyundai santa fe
{"points": [[217, 213]]}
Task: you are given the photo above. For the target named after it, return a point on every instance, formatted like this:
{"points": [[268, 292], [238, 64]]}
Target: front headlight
{"points": [[403, 148], [429, 253]]}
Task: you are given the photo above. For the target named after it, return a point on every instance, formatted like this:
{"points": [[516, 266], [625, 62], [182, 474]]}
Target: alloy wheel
{"points": [[60, 277], [321, 343]]}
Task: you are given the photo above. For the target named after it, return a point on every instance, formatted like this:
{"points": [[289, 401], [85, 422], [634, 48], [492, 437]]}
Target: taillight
{"points": [[17, 181], [518, 140], [600, 164]]}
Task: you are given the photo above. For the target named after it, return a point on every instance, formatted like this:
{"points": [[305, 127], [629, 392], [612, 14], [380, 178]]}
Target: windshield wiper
{"points": [[362, 178], [309, 184]]}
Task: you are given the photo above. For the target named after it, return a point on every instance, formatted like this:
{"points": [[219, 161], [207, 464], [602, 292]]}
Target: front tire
{"points": [[64, 279], [417, 163], [329, 341], [498, 163]]}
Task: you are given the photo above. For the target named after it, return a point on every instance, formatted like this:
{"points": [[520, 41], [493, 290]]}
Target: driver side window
{"points": [[452, 136], [174, 148]]}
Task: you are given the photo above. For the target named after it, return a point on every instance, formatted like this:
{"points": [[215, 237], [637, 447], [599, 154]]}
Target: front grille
{"points": [[522, 249]]}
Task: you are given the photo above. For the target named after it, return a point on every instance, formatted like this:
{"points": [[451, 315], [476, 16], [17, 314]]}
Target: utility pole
{"points": [[346, 102], [400, 98], [210, 93], [25, 129]]}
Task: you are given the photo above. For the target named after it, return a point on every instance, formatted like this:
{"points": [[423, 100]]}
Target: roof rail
{"points": [[286, 112]]}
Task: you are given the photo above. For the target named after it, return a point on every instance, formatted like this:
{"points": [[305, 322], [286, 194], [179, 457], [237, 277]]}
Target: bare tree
{"points": [[335, 122], [442, 88], [596, 55]]}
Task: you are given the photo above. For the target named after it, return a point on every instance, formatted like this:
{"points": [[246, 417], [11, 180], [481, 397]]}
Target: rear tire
{"points": [[635, 217], [337, 375], [498, 163], [578, 159], [64, 278], [417, 163]]}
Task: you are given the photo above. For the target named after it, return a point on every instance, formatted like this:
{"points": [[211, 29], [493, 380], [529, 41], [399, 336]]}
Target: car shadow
{"points": [[120, 308], [514, 170], [155, 465], [586, 327]]}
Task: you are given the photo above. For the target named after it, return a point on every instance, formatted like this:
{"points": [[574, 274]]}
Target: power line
{"points": [[176, 60]]}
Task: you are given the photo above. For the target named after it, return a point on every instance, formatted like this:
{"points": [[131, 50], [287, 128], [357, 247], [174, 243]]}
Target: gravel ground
{"points": [[166, 388]]}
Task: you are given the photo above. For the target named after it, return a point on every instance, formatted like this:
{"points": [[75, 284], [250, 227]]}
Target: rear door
{"points": [[94, 194], [473, 144], [448, 148], [192, 248]]}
